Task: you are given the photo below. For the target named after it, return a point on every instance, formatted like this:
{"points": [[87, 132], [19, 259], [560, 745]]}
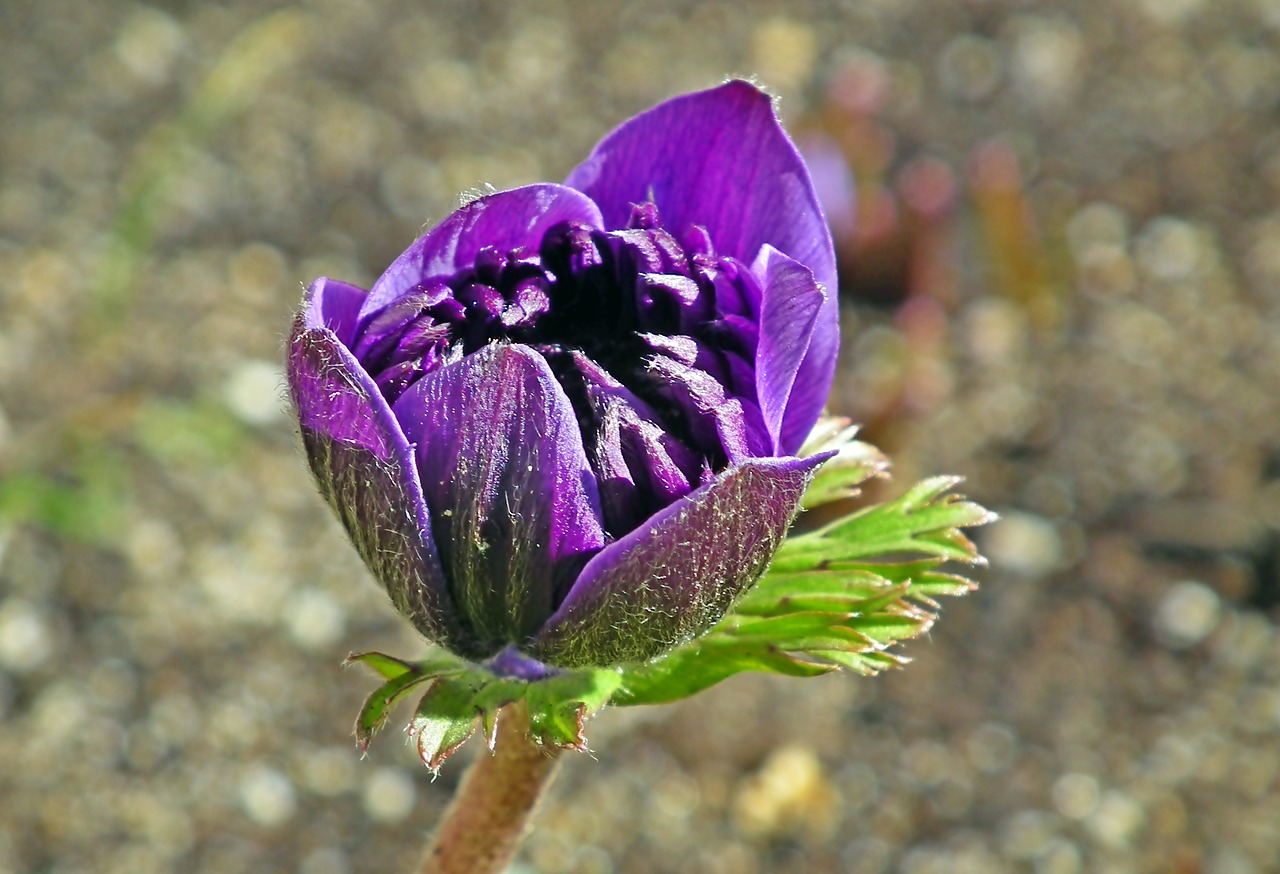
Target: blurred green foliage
{"points": [[75, 482]]}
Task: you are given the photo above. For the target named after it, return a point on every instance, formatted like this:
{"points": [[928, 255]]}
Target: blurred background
{"points": [[1061, 280]]}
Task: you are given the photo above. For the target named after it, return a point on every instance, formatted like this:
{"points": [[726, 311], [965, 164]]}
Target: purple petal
{"points": [[716, 420], [504, 221], [719, 159], [737, 291], [514, 503], [677, 347], [676, 576], [381, 331], [365, 470], [792, 306], [640, 467], [334, 305]]}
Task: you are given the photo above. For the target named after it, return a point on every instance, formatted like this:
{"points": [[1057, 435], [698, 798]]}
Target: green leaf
{"points": [[782, 627], [560, 706], [886, 628], [836, 590], [389, 667], [377, 707], [700, 665], [493, 697], [866, 663], [836, 597], [446, 717], [840, 478], [402, 677], [463, 694], [923, 521]]}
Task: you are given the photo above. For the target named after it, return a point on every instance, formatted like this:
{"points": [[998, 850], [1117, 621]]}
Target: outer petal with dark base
{"points": [[720, 159], [675, 576], [515, 506], [364, 465]]}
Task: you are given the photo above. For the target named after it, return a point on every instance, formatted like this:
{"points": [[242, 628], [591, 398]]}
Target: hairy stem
{"points": [[489, 815]]}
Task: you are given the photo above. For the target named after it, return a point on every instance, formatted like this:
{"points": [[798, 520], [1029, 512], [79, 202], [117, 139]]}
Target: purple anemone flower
{"points": [[562, 428]]}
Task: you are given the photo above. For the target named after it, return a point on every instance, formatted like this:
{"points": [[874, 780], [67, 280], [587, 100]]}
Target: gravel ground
{"points": [[1063, 285]]}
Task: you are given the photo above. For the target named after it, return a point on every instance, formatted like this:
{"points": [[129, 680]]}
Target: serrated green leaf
{"points": [[935, 584], [852, 585], [821, 604], [377, 707], [866, 663], [925, 520], [836, 597], [695, 667], [886, 628], [779, 628], [841, 477], [895, 572], [446, 717]]}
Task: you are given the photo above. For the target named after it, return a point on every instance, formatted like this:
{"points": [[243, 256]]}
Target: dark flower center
{"points": [[652, 341]]}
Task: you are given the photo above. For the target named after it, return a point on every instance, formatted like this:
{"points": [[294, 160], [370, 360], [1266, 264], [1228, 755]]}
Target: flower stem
{"points": [[490, 813]]}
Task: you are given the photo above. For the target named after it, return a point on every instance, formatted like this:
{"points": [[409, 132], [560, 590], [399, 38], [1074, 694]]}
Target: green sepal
{"points": [[377, 707], [389, 667], [462, 695], [445, 718], [559, 706]]}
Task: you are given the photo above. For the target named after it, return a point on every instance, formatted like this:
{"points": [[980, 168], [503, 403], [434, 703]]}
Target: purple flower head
{"points": [[562, 427]]}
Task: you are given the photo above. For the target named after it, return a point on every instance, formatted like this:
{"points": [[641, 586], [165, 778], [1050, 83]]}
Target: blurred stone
{"points": [[1045, 61], [867, 855], [1027, 833], [1023, 543], [153, 548], [315, 619], [1230, 859], [992, 747], [1076, 796], [969, 67], [329, 771], [1204, 525], [267, 796], [255, 392], [1060, 856], [325, 860], [389, 795], [1187, 615], [1117, 820], [257, 271], [789, 796], [1171, 11], [1169, 248], [26, 639]]}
